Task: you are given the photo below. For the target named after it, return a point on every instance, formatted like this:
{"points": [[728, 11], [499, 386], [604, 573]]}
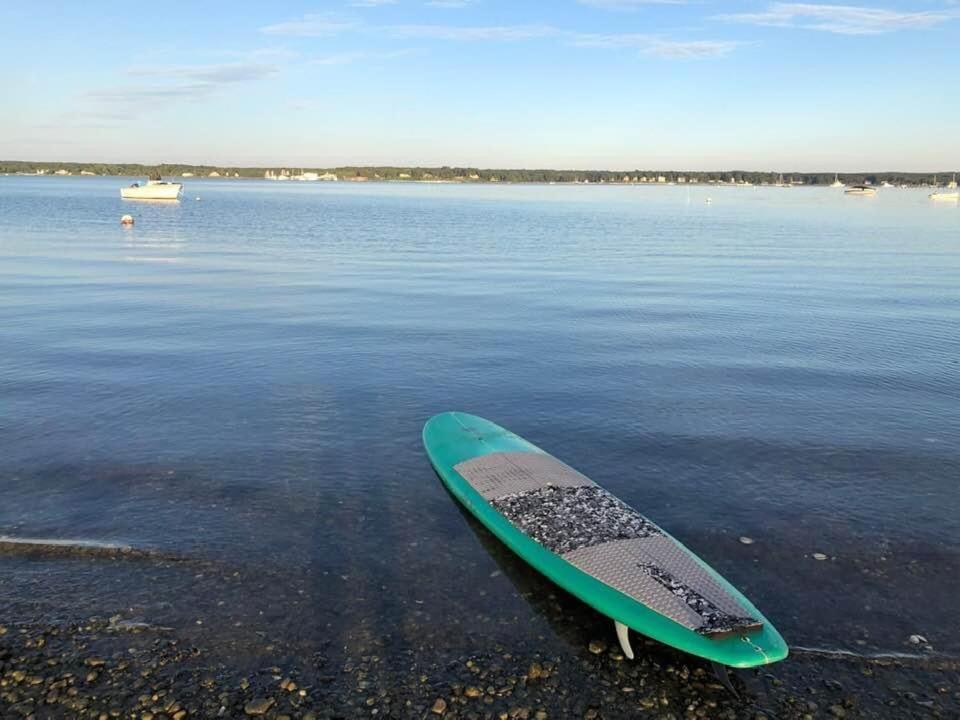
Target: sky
{"points": [[605, 84]]}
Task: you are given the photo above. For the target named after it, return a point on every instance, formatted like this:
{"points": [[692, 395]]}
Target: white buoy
{"points": [[126, 220]]}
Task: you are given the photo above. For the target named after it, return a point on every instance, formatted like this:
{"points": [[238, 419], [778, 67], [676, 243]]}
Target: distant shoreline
{"points": [[467, 175]]}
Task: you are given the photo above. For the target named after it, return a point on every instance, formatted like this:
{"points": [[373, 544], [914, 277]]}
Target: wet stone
{"points": [[260, 706]]}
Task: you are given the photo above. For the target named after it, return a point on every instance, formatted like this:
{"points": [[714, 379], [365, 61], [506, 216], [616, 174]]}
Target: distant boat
{"points": [[944, 195], [940, 196], [860, 190], [836, 182], [153, 189]]}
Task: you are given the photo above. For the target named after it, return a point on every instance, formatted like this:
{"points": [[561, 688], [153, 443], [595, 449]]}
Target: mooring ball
{"points": [[126, 220]]}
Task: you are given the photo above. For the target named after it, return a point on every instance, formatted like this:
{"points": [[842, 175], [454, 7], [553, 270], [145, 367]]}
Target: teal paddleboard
{"points": [[596, 547]]}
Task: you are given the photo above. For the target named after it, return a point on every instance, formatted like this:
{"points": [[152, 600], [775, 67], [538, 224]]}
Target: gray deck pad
{"points": [[601, 535], [499, 474]]}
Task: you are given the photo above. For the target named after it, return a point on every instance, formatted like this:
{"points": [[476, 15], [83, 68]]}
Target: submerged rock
{"points": [[260, 706]]}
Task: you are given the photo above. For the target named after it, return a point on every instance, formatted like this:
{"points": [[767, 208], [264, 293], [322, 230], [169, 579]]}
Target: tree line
{"points": [[472, 174]]}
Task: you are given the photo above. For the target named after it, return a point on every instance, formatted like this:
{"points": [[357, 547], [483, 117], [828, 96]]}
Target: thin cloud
{"points": [[628, 4], [466, 32], [656, 46], [178, 82], [646, 43], [312, 25], [842, 19], [372, 3], [611, 40], [223, 74], [450, 4], [690, 50], [348, 58]]}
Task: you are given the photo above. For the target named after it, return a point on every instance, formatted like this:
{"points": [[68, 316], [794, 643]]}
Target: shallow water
{"points": [[240, 381]]}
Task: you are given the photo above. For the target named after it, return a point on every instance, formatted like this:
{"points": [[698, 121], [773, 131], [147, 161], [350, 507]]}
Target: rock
{"points": [[918, 640], [746, 540], [439, 706], [540, 715], [473, 692], [819, 556], [597, 647], [535, 671], [837, 711], [260, 706]]}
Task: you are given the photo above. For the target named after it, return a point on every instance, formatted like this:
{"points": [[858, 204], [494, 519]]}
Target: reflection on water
{"points": [[240, 385]]}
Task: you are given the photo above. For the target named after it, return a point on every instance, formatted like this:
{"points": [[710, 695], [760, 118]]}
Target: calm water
{"points": [[240, 381]]}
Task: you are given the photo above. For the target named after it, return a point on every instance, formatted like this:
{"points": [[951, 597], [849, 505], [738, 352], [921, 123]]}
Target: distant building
{"points": [[187, 174], [661, 179], [474, 176], [681, 179], [214, 173], [404, 176], [328, 177], [626, 178], [61, 171], [87, 172]]}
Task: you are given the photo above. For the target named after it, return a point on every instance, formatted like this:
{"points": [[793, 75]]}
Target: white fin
{"points": [[623, 635]]}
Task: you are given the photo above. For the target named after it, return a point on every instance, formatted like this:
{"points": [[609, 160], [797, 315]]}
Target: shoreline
{"points": [[106, 668], [118, 635]]}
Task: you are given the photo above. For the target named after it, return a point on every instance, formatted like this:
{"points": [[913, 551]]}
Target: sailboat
{"points": [[948, 194], [836, 181]]}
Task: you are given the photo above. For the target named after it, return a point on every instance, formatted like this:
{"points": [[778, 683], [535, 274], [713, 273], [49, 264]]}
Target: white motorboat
{"points": [[860, 190], [153, 189]]}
